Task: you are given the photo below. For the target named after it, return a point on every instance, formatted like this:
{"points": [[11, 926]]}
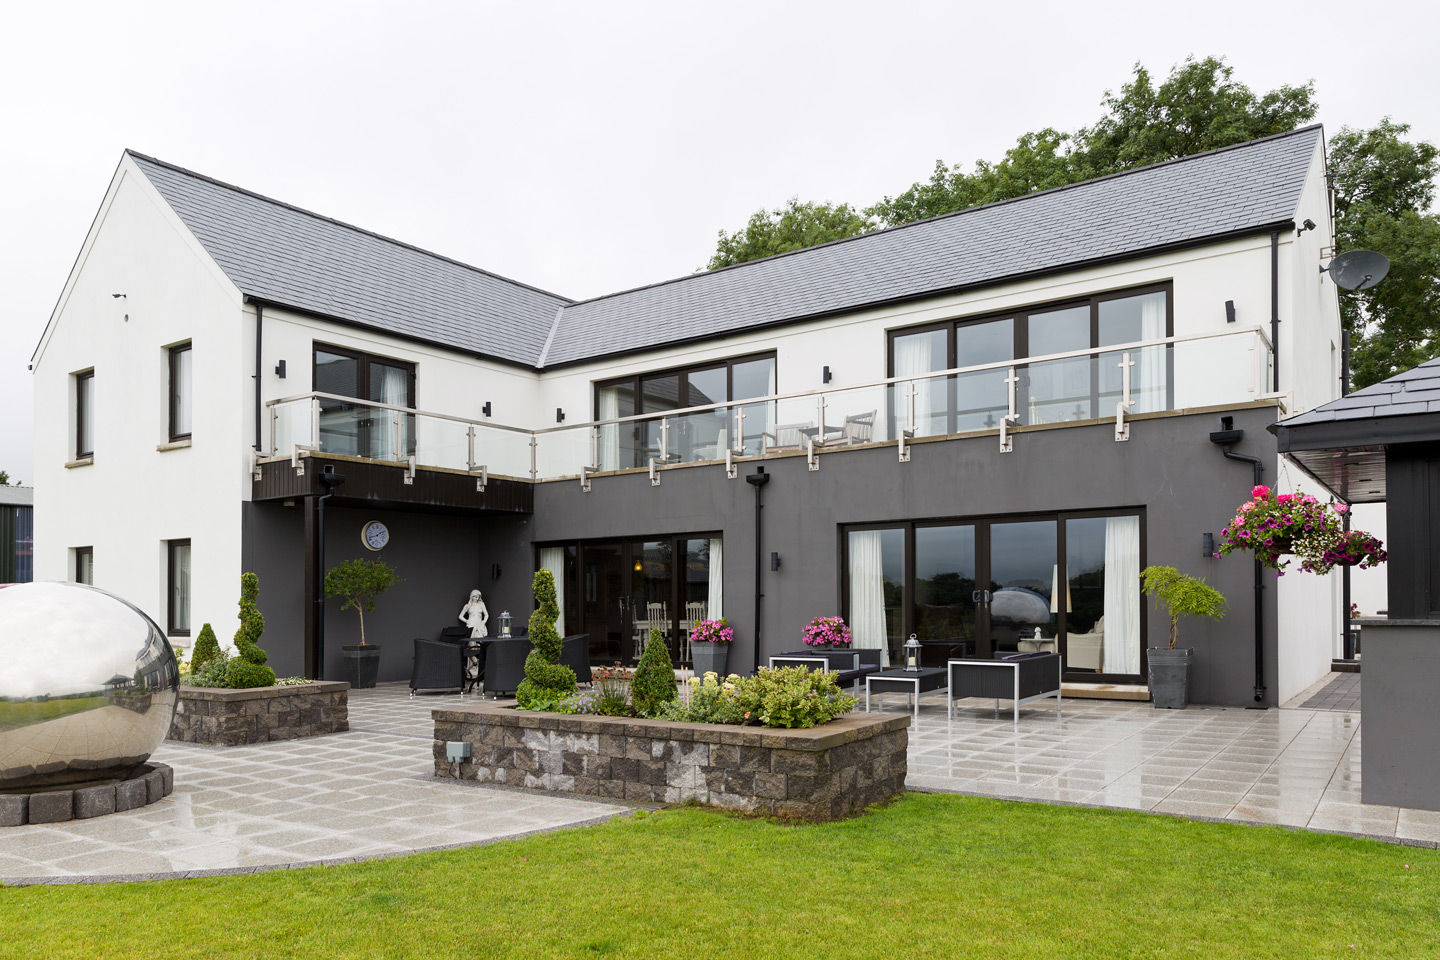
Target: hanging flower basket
{"points": [[1274, 526]]}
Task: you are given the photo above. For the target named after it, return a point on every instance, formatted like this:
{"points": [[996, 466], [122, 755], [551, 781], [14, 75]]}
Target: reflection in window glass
{"points": [[1059, 390], [1102, 569], [1128, 320], [982, 399], [1023, 572], [877, 590], [617, 440], [945, 584], [915, 354]]}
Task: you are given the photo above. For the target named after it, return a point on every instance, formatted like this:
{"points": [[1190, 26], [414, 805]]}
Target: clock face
{"points": [[375, 534]]}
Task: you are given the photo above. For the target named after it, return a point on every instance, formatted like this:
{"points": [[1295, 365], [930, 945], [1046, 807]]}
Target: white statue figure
{"points": [[474, 615]]}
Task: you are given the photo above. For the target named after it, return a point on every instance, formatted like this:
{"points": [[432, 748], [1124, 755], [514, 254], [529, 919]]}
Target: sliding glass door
{"points": [[352, 427], [1068, 583]]}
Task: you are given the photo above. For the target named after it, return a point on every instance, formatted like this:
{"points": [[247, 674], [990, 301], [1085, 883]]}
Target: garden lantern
{"points": [[912, 653], [505, 623]]}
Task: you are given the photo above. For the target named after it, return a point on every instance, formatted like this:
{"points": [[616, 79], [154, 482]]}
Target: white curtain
{"points": [[610, 432], [715, 597], [867, 592], [915, 355], [395, 390], [1148, 389], [553, 559], [1122, 595]]}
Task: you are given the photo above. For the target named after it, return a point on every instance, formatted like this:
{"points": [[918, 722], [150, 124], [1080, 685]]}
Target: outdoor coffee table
{"points": [[911, 682]]}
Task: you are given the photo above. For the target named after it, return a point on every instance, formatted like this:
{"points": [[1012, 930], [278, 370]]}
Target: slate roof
{"points": [[285, 255], [1241, 188], [282, 254], [1414, 391]]}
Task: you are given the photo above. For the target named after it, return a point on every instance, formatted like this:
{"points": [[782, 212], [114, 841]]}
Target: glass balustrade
{"points": [[1148, 377]]}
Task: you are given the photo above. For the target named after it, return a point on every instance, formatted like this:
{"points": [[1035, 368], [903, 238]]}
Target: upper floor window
{"points": [[694, 436], [1052, 391], [181, 395], [358, 428], [84, 414]]}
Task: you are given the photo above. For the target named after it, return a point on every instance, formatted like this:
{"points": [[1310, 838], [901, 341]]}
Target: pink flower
{"points": [[1260, 492], [1285, 497], [1341, 508]]}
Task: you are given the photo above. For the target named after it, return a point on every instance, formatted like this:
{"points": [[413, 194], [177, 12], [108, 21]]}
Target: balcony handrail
{"points": [[911, 378], [1133, 346]]}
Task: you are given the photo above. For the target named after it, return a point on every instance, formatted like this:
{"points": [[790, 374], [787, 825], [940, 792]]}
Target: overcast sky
{"points": [[589, 147]]}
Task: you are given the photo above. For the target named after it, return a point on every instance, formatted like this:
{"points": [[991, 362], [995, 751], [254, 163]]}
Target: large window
{"points": [[688, 437], [177, 578], [357, 428], [84, 414], [990, 586], [84, 568], [1053, 391], [181, 397], [623, 593]]}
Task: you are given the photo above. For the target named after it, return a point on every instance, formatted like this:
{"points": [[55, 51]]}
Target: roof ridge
{"points": [[545, 349], [341, 223], [954, 213]]}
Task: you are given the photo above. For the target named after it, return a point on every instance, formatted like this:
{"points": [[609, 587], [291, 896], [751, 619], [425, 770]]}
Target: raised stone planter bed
{"points": [[151, 782], [230, 718], [822, 773]]}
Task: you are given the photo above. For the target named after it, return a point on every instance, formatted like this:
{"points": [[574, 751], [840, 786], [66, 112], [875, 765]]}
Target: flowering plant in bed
{"points": [[827, 632], [1274, 525], [713, 631]]}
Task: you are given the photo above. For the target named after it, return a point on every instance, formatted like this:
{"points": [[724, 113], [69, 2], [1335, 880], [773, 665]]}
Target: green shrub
{"points": [[213, 672], [247, 669], [653, 685], [791, 697], [242, 675], [206, 648], [1183, 596], [711, 701], [357, 583], [547, 681]]}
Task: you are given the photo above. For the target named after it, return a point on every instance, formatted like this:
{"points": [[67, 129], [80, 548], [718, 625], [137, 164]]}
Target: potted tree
{"points": [[357, 583], [710, 646], [1183, 596]]}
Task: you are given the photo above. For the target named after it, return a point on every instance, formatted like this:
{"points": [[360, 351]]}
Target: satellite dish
{"points": [[1358, 269]]}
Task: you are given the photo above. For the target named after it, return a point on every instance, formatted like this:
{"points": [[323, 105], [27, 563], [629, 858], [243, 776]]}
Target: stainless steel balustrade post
{"points": [[1122, 429]]}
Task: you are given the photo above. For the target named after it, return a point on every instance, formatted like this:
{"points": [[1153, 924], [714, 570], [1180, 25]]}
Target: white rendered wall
{"points": [[1308, 608], [1369, 588], [133, 497]]}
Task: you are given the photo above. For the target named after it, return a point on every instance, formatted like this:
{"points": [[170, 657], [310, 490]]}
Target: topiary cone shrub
{"points": [[248, 668], [653, 685], [546, 679], [207, 648]]}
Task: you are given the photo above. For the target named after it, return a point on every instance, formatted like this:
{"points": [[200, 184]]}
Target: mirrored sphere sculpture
{"points": [[88, 685]]}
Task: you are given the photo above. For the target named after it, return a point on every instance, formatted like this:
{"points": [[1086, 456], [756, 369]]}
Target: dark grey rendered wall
{"points": [[1168, 467], [440, 558]]}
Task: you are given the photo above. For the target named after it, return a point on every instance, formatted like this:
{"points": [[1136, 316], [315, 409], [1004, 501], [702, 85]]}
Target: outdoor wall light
{"points": [[485, 410], [774, 560], [559, 415], [494, 571], [280, 369], [1229, 311], [1207, 546], [825, 376]]}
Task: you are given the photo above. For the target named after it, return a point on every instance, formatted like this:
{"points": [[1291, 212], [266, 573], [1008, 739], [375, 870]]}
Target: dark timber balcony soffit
{"points": [[372, 483]]}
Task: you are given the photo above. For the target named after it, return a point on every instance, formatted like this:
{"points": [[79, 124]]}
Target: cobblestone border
{"points": [[151, 782]]}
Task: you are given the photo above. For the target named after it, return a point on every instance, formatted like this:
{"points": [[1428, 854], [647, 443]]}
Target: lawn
{"points": [[21, 713], [929, 876]]}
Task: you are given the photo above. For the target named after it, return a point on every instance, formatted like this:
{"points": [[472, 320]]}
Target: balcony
{"points": [[1006, 400]]}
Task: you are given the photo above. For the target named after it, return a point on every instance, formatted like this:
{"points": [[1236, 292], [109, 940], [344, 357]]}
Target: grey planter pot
{"points": [[709, 656], [1170, 677], [361, 664]]}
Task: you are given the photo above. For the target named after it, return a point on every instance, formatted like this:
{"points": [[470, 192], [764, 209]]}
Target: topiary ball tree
{"points": [[207, 648], [248, 669], [546, 679], [653, 685]]}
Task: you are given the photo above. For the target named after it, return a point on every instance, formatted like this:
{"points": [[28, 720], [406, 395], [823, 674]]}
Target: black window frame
{"points": [[636, 380], [84, 396], [87, 553], [982, 543], [363, 360], [174, 353], [170, 545], [1020, 318]]}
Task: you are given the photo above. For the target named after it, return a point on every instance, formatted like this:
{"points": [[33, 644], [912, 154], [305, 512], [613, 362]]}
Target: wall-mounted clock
{"points": [[375, 535]]}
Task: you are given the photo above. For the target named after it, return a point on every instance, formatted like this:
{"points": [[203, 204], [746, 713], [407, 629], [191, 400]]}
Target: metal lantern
{"points": [[505, 623], [912, 653]]}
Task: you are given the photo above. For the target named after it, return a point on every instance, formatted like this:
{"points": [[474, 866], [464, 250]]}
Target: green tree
{"points": [[247, 668], [653, 685], [793, 227], [1384, 188], [357, 583], [207, 648], [5, 478], [1182, 595], [547, 680]]}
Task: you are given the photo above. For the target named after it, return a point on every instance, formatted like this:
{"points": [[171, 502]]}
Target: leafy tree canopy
{"points": [[1384, 186], [4, 478]]}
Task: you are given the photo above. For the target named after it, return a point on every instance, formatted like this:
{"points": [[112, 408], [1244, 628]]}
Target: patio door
{"points": [[358, 429], [605, 607]]}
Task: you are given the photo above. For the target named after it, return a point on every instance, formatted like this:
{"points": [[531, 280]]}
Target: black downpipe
{"points": [[758, 479], [1227, 438], [259, 339], [329, 479], [1274, 311], [1347, 639]]}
